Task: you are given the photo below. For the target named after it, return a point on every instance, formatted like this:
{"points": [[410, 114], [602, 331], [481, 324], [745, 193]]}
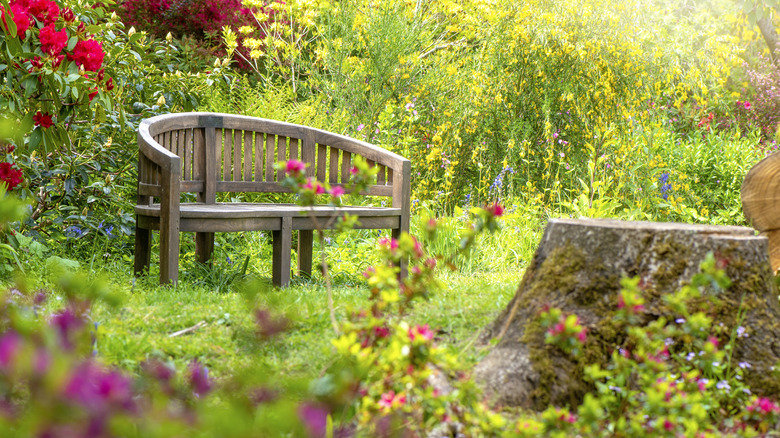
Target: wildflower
{"points": [[199, 379], [295, 168], [315, 186], [67, 323], [744, 365], [723, 385], [390, 400], [495, 209], [43, 120], [9, 345], [741, 332], [269, 325], [747, 105], [315, 418], [423, 332], [360, 127], [337, 191]]}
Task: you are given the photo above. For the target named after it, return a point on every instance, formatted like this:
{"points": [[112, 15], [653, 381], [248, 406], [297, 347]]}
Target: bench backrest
{"points": [[208, 153]]}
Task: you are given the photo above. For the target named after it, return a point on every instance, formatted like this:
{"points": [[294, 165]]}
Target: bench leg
{"points": [[404, 264], [204, 246], [282, 254], [169, 253], [143, 250], [305, 252]]}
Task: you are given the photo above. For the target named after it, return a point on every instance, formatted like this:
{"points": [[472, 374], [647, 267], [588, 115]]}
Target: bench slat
{"points": [[281, 147], [380, 176], [187, 173], [389, 176], [199, 155], [238, 151], [346, 165], [228, 210], [248, 155], [270, 148], [275, 187], [211, 164], [322, 162], [334, 165], [259, 154]]}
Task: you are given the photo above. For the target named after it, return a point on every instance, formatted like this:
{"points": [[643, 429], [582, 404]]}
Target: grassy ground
{"points": [[221, 320]]}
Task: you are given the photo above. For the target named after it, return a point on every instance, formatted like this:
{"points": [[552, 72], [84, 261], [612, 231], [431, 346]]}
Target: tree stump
{"points": [[577, 268]]}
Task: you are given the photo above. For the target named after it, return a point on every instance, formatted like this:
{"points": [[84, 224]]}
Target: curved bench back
{"points": [[213, 153]]}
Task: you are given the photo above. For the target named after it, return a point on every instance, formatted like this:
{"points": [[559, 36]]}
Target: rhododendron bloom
{"points": [[68, 16], [88, 54], [20, 17], [44, 10], [12, 177], [53, 41], [109, 84], [43, 120], [295, 167]]}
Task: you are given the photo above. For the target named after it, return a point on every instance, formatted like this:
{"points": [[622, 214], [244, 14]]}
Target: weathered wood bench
{"points": [[209, 153]]}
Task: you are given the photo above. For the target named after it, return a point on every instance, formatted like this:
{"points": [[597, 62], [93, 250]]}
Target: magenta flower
{"points": [[67, 323], [314, 186], [390, 399], [9, 346], [495, 209], [360, 127], [337, 191], [199, 379], [422, 332], [314, 418], [747, 105], [295, 168]]}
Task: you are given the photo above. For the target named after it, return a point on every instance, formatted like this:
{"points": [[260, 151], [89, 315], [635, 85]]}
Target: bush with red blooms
{"points": [[197, 18], [55, 75]]}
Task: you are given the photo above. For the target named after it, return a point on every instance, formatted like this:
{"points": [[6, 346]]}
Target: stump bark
{"points": [[577, 268]]}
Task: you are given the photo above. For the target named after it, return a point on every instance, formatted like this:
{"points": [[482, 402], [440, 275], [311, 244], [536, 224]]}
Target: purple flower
{"points": [[314, 418], [66, 322], [199, 379], [9, 346], [99, 390], [360, 127]]}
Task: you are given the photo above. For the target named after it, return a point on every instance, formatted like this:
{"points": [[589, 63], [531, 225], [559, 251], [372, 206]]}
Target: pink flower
{"points": [[52, 41], [353, 171], [391, 244], [423, 332], [582, 335], [495, 209], [390, 399], [295, 168], [315, 186], [337, 191], [9, 345], [89, 54], [360, 127], [668, 425], [747, 105], [713, 340]]}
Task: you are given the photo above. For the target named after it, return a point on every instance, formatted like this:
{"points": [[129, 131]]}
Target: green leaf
{"points": [[72, 43], [35, 139]]}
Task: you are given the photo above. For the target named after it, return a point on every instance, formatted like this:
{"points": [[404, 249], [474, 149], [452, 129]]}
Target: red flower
{"points": [[68, 16], [20, 17], [44, 10], [42, 120], [89, 54], [109, 84], [52, 41], [495, 210], [93, 94], [12, 177]]}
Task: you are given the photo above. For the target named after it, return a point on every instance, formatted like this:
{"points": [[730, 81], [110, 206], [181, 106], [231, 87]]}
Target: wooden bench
{"points": [[209, 153]]}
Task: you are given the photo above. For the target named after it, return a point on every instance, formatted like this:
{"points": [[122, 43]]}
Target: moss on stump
{"points": [[578, 267]]}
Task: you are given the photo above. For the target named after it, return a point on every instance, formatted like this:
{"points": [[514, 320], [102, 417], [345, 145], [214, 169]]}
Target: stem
{"points": [[325, 272]]}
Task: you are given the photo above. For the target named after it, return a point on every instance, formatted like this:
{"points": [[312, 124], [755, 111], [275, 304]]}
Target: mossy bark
{"points": [[578, 267]]}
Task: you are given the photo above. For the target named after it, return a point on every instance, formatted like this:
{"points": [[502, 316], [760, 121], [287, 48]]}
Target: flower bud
{"points": [[161, 100], [169, 37], [131, 32]]}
